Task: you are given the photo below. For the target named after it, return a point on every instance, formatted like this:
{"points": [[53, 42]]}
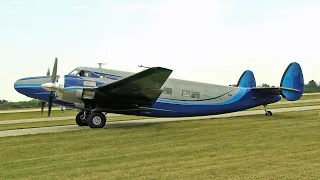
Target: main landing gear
{"points": [[93, 120], [268, 113]]}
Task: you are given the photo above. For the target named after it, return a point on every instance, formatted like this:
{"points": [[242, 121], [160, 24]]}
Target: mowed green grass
{"points": [[58, 113], [274, 106], [36, 124], [71, 121], [36, 114], [283, 146], [305, 97], [25, 125]]}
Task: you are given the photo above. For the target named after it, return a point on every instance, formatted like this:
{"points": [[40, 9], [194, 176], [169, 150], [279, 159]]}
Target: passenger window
{"points": [[195, 95], [167, 91], [185, 93]]}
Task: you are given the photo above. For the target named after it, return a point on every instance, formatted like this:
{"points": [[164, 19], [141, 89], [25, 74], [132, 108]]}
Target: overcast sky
{"points": [[210, 41]]}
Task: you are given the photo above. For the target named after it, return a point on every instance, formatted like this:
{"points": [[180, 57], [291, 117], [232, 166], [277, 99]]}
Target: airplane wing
{"points": [[142, 88]]}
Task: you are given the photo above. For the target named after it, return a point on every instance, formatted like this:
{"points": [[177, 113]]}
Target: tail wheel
{"points": [[268, 113], [96, 120], [81, 118]]}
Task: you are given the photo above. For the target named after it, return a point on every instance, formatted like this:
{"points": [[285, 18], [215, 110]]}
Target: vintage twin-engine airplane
{"points": [[98, 91]]}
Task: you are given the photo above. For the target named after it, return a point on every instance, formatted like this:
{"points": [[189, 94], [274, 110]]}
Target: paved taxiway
{"points": [[145, 121]]}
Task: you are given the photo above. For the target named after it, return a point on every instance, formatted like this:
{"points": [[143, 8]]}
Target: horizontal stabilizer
{"points": [[291, 86], [270, 91], [247, 80], [290, 89]]}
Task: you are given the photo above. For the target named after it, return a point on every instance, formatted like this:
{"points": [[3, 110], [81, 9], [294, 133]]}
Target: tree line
{"points": [[311, 87], [34, 103]]}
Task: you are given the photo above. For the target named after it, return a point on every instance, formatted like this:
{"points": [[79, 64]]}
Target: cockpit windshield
{"points": [[79, 72], [74, 72]]}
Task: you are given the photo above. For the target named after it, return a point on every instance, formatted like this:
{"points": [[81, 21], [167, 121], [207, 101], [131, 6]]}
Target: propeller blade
{"points": [[54, 71], [48, 72], [50, 103], [43, 103]]}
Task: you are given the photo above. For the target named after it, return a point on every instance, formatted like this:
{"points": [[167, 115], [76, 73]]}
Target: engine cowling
{"points": [[72, 89]]}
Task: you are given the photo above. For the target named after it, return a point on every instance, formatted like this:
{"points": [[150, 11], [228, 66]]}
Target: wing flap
{"points": [[141, 88]]}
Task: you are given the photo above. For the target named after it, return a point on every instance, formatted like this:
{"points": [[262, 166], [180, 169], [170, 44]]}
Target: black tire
{"points": [[81, 120], [268, 113], [96, 120]]}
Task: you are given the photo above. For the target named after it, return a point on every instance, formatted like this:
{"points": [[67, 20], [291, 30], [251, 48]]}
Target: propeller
{"points": [[52, 86], [43, 103], [48, 72]]}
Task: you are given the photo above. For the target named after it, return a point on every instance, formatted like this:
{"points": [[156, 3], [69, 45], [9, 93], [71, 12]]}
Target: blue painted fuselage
{"points": [[243, 99]]}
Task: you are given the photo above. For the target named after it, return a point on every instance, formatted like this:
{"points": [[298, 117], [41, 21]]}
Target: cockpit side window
{"points": [[85, 73]]}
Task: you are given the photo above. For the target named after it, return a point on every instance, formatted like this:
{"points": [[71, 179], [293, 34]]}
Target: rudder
{"points": [[247, 80], [292, 82]]}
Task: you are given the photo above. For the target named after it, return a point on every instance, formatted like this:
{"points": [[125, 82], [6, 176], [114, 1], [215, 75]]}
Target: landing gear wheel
{"points": [[96, 120], [81, 118], [268, 113]]}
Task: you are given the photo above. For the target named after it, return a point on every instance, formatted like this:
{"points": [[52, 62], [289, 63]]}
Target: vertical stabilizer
{"points": [[247, 79], [292, 82]]}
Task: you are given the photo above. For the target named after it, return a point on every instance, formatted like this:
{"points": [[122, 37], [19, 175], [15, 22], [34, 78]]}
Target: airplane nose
{"points": [[33, 86], [16, 84]]}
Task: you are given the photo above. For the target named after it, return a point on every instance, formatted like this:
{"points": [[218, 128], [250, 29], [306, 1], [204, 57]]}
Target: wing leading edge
{"points": [[142, 88]]}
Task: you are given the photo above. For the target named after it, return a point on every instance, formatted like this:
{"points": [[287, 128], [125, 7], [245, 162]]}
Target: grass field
{"points": [[314, 96], [60, 122], [284, 146], [70, 121], [35, 114], [58, 113], [274, 106]]}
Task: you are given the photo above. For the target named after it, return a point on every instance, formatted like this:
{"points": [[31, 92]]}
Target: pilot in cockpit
{"points": [[81, 73]]}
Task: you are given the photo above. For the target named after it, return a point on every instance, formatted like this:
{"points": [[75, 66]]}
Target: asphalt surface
{"points": [[18, 132]]}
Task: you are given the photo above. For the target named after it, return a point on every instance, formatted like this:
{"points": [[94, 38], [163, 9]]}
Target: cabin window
{"points": [[195, 95], [167, 91], [185, 93]]}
